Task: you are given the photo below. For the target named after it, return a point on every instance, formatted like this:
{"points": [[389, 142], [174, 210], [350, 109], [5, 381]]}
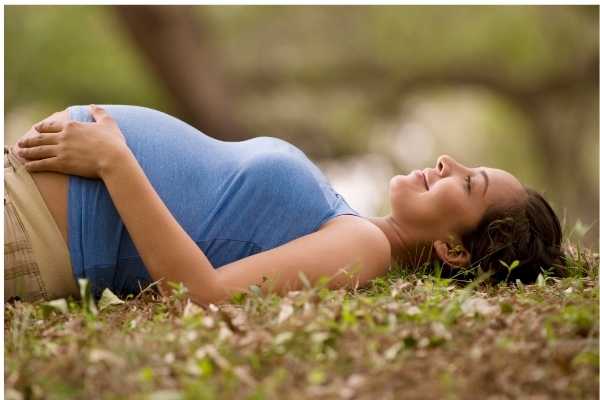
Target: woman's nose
{"points": [[443, 164], [446, 164]]}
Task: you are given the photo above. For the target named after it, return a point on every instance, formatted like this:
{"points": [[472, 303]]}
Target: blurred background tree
{"points": [[367, 92]]}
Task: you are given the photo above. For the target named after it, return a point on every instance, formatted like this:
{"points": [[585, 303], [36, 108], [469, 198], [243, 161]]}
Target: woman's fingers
{"points": [[49, 126], [100, 115], [47, 164], [39, 140], [39, 152]]}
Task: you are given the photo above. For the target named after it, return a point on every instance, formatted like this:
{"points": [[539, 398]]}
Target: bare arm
{"points": [[167, 250], [351, 252]]}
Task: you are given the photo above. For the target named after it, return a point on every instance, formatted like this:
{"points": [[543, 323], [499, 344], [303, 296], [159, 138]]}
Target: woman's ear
{"points": [[452, 254]]}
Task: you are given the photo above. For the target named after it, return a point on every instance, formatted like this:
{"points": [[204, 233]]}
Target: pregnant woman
{"points": [[126, 195]]}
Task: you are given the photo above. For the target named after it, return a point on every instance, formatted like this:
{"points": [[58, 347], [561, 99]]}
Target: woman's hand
{"points": [[72, 147], [32, 132]]}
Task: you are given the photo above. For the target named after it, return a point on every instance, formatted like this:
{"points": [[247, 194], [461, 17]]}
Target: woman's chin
{"points": [[396, 180], [397, 190]]}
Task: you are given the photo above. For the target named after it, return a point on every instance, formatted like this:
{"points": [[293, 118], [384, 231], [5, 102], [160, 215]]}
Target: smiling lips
{"points": [[424, 177]]}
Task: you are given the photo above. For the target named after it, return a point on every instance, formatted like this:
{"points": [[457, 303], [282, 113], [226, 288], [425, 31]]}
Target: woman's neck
{"points": [[404, 250]]}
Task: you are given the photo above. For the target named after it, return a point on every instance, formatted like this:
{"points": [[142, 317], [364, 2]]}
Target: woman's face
{"points": [[450, 199]]}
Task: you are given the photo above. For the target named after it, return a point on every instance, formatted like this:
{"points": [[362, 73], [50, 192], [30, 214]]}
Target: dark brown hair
{"points": [[530, 234]]}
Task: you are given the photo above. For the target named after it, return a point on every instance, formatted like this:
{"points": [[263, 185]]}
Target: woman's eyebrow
{"points": [[487, 180]]}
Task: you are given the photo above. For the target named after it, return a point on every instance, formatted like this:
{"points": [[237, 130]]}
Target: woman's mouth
{"points": [[421, 174]]}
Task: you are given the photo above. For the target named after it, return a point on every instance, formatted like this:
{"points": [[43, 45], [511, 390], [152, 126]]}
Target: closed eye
{"points": [[468, 180]]}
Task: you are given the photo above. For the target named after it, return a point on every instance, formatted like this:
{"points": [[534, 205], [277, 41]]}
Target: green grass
{"points": [[408, 335]]}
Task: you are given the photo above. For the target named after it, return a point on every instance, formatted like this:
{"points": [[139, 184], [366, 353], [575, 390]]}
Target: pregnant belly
{"points": [[54, 190]]}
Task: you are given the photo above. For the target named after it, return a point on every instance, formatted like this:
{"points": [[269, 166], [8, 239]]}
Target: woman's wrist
{"points": [[116, 160]]}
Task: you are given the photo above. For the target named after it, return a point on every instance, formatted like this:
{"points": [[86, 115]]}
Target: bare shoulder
{"points": [[360, 231]]}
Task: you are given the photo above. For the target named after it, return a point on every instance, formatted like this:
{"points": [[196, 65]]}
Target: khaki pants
{"points": [[37, 265]]}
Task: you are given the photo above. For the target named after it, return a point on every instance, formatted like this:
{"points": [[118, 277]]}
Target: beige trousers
{"points": [[37, 265]]}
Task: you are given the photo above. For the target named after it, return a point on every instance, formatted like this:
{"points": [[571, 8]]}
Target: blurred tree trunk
{"points": [[176, 44], [559, 112]]}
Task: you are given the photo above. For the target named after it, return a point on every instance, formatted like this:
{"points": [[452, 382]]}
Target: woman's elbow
{"points": [[202, 294], [209, 294]]}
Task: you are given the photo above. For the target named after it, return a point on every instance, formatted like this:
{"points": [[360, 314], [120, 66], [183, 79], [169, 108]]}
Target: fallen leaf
{"points": [[58, 305], [108, 299], [285, 312], [476, 305]]}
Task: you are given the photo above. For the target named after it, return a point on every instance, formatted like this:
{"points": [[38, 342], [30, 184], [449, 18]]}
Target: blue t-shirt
{"points": [[234, 199]]}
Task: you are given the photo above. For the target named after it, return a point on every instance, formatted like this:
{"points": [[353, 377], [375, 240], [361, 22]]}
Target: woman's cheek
{"points": [[459, 214]]}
